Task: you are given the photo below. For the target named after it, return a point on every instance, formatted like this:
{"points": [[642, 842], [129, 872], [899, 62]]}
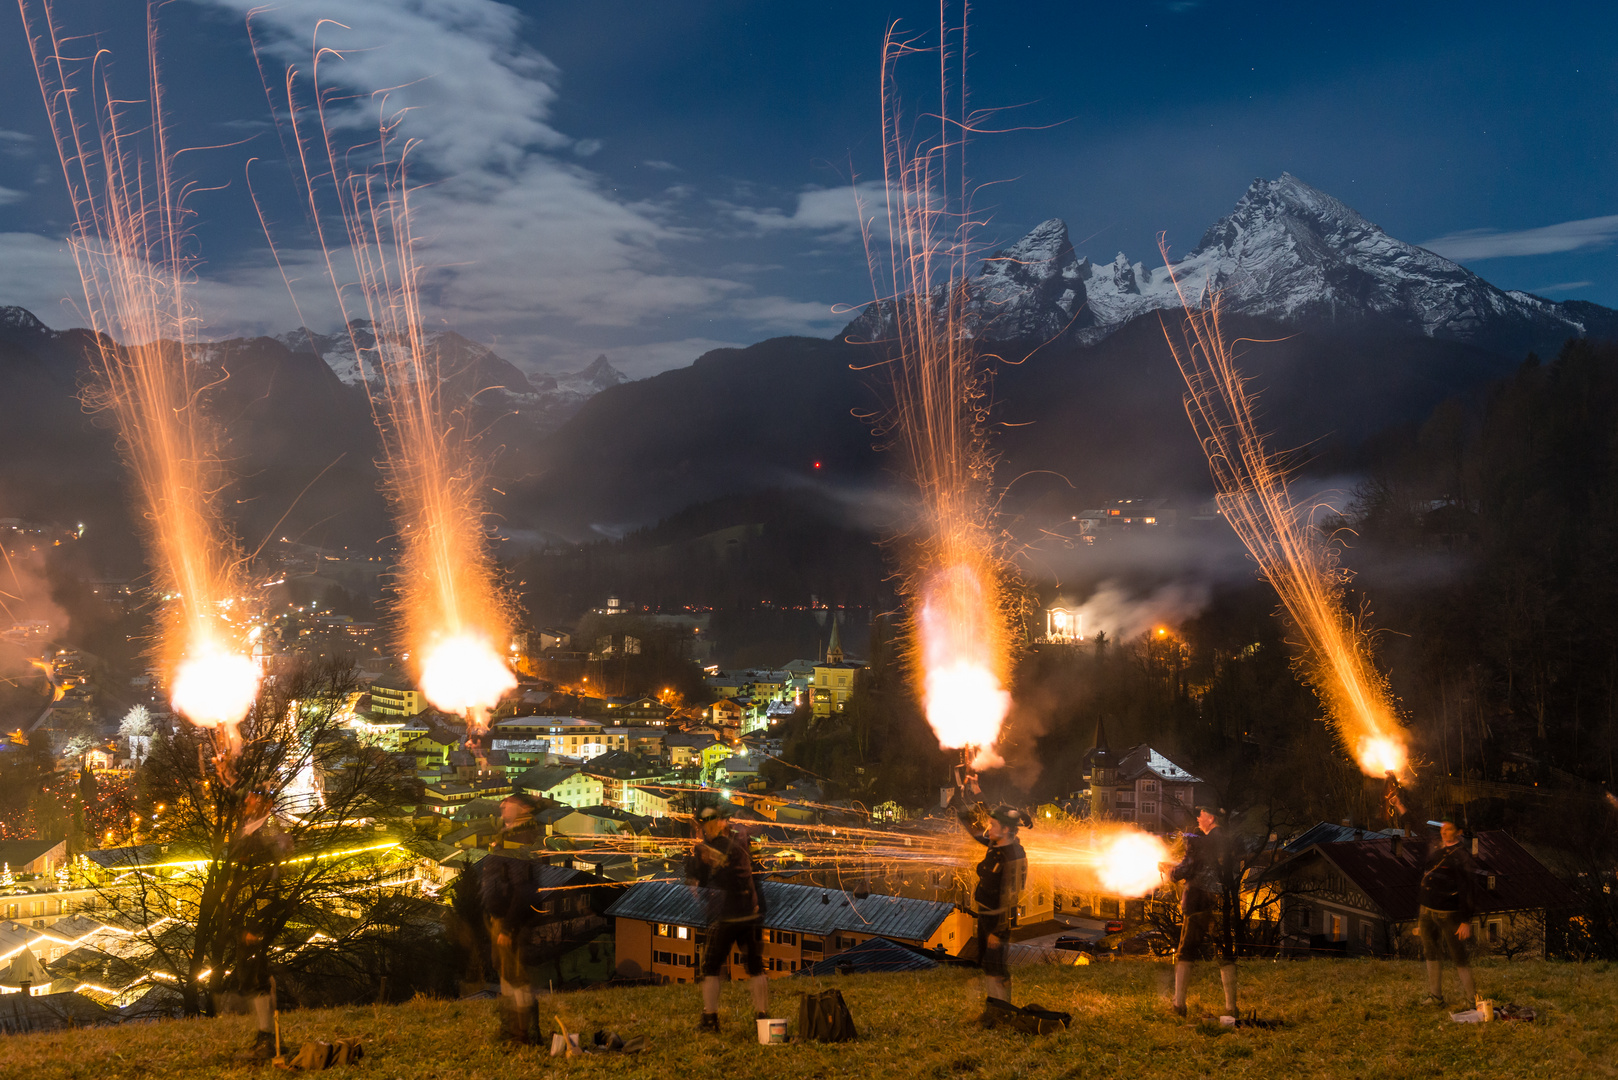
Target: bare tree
{"points": [[188, 894]]}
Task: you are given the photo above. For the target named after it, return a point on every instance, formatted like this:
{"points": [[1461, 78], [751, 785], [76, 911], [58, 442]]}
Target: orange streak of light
{"points": [[129, 244], [454, 610], [956, 571], [1292, 554]]}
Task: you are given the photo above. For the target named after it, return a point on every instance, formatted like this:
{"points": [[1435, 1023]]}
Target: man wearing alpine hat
{"points": [[1001, 876], [1208, 871], [722, 863]]}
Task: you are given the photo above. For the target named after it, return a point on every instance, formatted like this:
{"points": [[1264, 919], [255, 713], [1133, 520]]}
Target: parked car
{"points": [[1143, 942], [1115, 926]]}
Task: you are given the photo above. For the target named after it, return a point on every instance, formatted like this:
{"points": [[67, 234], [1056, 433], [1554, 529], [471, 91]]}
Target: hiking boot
{"points": [[710, 1022], [1179, 1010], [761, 1016], [1432, 999], [263, 1048], [995, 1012]]}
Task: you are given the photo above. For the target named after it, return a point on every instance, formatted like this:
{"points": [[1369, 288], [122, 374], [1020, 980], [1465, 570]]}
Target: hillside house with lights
{"points": [[1141, 786]]}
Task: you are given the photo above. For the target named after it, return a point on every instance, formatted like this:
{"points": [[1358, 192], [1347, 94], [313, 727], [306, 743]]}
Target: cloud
{"points": [[1473, 245], [1562, 286], [38, 273], [836, 211], [11, 195], [663, 166], [784, 316], [520, 242]]}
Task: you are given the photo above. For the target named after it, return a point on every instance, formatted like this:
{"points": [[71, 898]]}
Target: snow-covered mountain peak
{"points": [[1286, 251], [468, 369], [21, 319]]}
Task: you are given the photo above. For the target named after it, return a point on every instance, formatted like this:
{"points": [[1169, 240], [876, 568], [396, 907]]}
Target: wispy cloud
{"points": [[11, 195], [834, 211], [1473, 245], [524, 244]]}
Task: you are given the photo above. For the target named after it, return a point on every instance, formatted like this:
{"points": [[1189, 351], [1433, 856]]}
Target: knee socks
{"points": [[1227, 976]]}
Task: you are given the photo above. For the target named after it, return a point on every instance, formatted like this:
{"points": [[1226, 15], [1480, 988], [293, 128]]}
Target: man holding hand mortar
{"points": [[1001, 876], [722, 862]]}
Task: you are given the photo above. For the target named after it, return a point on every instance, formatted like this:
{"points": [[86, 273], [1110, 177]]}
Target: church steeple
{"points": [[834, 649], [1103, 774]]}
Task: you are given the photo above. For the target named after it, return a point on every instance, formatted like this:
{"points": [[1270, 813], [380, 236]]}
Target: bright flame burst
{"points": [[129, 244], [956, 575], [1292, 554], [452, 603], [465, 675], [965, 701], [215, 687], [1116, 859]]}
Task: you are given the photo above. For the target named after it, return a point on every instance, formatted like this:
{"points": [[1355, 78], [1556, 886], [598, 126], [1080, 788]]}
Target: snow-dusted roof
{"points": [[1143, 759]]}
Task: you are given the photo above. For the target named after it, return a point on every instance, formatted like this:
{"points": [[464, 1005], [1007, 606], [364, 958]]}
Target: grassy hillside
{"points": [[1338, 1019]]}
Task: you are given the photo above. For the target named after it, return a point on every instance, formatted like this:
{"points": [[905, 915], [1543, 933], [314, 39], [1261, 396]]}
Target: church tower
{"points": [[1103, 775], [834, 649]]}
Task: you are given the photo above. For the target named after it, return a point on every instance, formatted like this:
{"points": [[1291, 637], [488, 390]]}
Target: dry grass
{"points": [[1342, 1018]]}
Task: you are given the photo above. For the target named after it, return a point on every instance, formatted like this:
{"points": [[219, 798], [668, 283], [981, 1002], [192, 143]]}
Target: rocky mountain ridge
{"points": [[1286, 252]]}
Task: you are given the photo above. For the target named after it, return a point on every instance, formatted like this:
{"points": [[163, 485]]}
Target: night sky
{"points": [[652, 179]]}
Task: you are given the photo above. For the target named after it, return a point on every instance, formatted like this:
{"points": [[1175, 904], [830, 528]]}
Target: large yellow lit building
{"points": [[835, 679]]}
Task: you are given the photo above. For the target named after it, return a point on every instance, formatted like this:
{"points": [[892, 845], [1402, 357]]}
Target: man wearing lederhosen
{"points": [[722, 862], [1002, 874], [1208, 871]]}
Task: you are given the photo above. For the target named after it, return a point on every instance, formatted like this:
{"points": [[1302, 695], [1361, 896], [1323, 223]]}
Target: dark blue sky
{"points": [[651, 179]]}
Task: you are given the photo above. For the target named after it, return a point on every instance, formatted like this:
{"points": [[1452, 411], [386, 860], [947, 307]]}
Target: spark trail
{"points": [[455, 613], [1296, 560], [129, 244], [956, 573]]}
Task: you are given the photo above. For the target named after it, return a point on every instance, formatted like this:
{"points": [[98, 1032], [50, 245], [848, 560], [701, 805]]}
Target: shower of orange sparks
{"points": [[956, 580], [1292, 554], [453, 607], [128, 244]]}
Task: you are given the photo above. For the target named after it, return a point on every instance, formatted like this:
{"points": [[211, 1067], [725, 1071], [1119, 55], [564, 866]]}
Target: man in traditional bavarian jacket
{"points": [[1209, 873], [722, 863], [1448, 899], [1001, 876]]}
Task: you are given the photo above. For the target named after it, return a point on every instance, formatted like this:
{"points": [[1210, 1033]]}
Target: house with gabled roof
{"points": [[1139, 785], [33, 856], [569, 785], [661, 927], [21, 1013], [1360, 896]]}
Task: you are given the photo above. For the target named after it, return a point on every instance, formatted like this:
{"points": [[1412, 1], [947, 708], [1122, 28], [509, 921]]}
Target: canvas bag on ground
{"points": [[824, 1017]]}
